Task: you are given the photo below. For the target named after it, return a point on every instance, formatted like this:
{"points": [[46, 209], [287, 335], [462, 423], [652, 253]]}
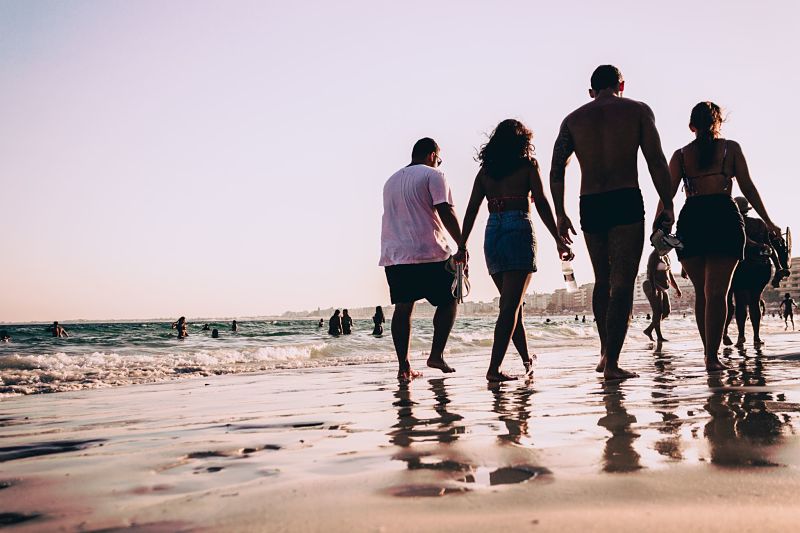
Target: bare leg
{"points": [[598, 253], [519, 337], [655, 298], [742, 299], [514, 284], [719, 271], [401, 336], [726, 340], [624, 252], [696, 269], [443, 321], [755, 316]]}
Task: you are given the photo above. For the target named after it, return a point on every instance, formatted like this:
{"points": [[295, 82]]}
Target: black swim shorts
{"points": [[431, 281], [602, 211]]}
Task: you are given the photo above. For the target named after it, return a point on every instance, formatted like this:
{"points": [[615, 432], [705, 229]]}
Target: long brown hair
{"points": [[508, 148]]}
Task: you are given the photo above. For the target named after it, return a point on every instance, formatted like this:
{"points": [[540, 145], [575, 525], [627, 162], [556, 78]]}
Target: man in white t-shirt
{"points": [[417, 210]]}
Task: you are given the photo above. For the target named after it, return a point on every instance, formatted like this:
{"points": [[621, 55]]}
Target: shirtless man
{"points": [[606, 135], [787, 310]]}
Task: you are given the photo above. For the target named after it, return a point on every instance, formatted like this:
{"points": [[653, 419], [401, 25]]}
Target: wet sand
{"points": [[350, 449]]}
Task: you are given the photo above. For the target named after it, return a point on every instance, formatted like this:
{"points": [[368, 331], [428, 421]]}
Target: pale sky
{"points": [[197, 158]]}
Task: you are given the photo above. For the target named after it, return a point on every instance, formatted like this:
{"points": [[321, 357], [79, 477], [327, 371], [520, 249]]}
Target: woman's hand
{"points": [[773, 229], [564, 251]]}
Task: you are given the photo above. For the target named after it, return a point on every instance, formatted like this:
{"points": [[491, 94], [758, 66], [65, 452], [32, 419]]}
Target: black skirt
{"points": [[711, 225]]}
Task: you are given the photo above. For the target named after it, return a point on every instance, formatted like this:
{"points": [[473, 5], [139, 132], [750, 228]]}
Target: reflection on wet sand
{"points": [[666, 404], [513, 409], [744, 430], [618, 455]]}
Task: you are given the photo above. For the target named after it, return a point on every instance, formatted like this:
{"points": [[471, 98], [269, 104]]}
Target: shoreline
{"points": [[348, 448]]}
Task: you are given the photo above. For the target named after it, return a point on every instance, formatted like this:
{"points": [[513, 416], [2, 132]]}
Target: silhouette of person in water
{"points": [[347, 322], [58, 331], [320, 323], [335, 324], [787, 310], [583, 319], [378, 320], [180, 325], [206, 327], [234, 326], [215, 333], [5, 337], [611, 204]]}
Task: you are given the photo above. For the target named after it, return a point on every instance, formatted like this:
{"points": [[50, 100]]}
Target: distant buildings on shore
{"points": [[561, 302]]}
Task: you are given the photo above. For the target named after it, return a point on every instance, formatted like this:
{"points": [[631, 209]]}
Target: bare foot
{"points": [[601, 366], [727, 341], [528, 368], [739, 342], [715, 365], [649, 333], [496, 377], [662, 339], [407, 375], [758, 342], [618, 373], [439, 363]]}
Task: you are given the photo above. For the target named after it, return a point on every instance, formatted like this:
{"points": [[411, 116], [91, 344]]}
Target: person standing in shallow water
{"points": [[347, 322], [58, 331], [787, 310], [509, 179], [234, 326], [335, 324], [606, 135], [378, 320], [750, 277], [710, 226], [417, 216], [656, 288]]}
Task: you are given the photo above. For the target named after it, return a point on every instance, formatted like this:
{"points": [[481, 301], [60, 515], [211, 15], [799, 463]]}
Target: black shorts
{"points": [[409, 283], [602, 211], [711, 225], [751, 275]]}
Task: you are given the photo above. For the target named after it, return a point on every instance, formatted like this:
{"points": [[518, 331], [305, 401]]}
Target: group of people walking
{"points": [[605, 135]]}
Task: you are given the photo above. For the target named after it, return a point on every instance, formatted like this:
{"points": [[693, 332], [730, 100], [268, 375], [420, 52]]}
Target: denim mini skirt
{"points": [[510, 242]]}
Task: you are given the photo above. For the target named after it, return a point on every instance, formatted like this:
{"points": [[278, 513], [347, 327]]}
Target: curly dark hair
{"points": [[509, 147], [707, 119]]}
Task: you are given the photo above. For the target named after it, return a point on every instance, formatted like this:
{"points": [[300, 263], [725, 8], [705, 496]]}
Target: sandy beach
{"points": [[349, 449]]}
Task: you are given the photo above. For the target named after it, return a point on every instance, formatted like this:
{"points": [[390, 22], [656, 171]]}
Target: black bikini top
{"points": [[687, 180]]}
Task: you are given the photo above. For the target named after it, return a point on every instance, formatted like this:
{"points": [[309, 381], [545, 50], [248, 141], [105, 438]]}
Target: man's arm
{"points": [[562, 151], [449, 220], [657, 164]]}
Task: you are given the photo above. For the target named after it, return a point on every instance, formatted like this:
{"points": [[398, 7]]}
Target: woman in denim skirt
{"points": [[509, 179]]}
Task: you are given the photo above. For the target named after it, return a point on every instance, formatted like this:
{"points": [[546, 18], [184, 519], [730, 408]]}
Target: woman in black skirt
{"points": [[710, 226]]}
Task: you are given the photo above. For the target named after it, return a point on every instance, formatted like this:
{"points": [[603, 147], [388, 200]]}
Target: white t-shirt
{"points": [[411, 231]]}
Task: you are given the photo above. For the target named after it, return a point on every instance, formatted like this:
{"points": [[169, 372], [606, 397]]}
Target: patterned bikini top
{"points": [[499, 203], [689, 187]]}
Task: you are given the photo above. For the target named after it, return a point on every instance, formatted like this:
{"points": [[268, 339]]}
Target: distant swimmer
{"points": [[606, 135], [206, 327], [320, 323], [378, 319], [215, 333], [234, 326], [787, 310], [5, 337], [347, 322], [180, 325], [335, 324], [58, 331], [584, 319]]}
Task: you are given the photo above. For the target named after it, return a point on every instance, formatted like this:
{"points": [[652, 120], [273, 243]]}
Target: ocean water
{"points": [[109, 354]]}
